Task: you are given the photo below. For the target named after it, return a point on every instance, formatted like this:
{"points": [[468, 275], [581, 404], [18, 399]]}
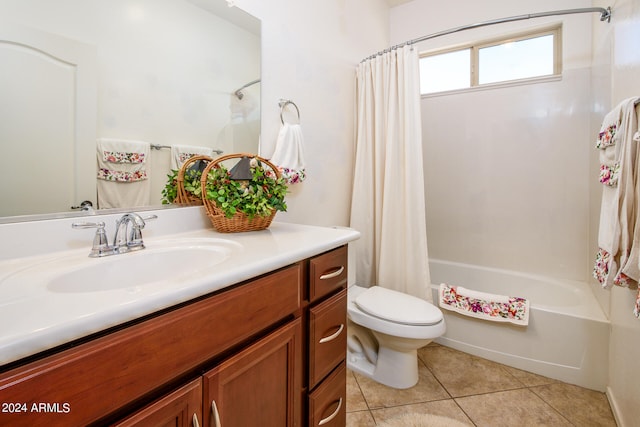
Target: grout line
{"points": [[364, 398], [434, 376], [361, 392], [550, 405]]}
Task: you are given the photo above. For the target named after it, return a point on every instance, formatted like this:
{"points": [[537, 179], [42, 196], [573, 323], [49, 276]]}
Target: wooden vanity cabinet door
{"points": [[327, 336], [327, 273], [327, 403], [260, 385], [181, 408]]}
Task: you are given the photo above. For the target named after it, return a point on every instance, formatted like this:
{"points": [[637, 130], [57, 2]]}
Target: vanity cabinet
{"points": [[258, 386], [269, 351], [327, 339]]}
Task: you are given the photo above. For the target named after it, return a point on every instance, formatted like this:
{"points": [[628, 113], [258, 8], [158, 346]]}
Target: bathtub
{"points": [[567, 337]]}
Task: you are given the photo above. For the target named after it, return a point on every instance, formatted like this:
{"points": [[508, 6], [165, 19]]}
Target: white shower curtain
{"points": [[388, 205]]}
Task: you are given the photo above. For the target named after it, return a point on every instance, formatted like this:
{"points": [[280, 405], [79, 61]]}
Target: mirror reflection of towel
{"points": [[289, 153], [122, 173], [182, 153]]}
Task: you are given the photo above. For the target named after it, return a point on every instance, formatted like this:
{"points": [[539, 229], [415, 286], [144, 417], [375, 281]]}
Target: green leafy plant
{"points": [[258, 196], [192, 184]]}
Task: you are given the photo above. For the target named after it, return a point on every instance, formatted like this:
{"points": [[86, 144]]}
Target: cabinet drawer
{"points": [[327, 336], [97, 378], [328, 272], [327, 403]]}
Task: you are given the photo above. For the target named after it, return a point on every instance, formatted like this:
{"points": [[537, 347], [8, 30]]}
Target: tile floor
{"points": [[478, 392]]}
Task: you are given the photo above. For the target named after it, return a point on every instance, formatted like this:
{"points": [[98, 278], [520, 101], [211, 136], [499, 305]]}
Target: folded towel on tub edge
{"points": [[497, 308]]}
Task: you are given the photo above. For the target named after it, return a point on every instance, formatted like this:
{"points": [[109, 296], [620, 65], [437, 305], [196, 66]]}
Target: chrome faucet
{"points": [[132, 241], [127, 238]]}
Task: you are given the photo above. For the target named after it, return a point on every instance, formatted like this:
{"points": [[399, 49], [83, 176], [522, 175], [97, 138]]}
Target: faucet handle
{"points": [[134, 240], [85, 224], [100, 242], [149, 217]]}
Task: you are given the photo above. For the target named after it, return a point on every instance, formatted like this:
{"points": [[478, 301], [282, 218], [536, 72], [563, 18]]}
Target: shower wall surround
{"points": [[507, 169]]}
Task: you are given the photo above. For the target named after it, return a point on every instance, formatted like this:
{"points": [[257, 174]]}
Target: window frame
{"points": [[474, 49]]}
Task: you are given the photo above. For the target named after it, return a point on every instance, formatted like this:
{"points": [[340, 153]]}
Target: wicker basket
{"points": [[184, 197], [240, 221]]}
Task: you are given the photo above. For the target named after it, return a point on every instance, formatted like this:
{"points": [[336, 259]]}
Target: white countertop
{"points": [[33, 319]]}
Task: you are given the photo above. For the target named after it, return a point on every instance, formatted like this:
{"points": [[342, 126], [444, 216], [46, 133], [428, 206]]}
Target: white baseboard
{"points": [[614, 407]]}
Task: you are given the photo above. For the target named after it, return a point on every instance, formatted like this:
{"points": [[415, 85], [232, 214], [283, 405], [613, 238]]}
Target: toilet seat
{"points": [[398, 307]]}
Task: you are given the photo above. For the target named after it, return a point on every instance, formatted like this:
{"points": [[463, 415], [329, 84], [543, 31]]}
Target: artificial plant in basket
{"points": [[261, 195], [191, 185]]}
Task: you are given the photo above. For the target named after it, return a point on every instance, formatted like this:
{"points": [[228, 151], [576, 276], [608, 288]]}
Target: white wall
{"points": [[507, 169], [310, 51], [616, 71]]}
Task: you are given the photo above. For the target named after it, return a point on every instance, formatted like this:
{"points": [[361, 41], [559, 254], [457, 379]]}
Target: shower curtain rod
{"points": [[239, 93], [605, 15]]}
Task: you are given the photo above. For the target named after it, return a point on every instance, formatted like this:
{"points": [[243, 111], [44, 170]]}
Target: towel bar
{"points": [[160, 147]]}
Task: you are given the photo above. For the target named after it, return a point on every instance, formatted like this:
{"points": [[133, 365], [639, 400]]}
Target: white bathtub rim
{"points": [[587, 308]]}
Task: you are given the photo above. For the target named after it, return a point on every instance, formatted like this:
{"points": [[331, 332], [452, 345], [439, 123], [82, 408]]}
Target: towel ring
{"points": [[283, 103]]}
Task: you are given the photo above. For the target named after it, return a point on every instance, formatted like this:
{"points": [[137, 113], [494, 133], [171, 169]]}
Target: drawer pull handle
{"points": [[195, 421], [332, 336], [332, 416], [332, 275], [215, 417]]}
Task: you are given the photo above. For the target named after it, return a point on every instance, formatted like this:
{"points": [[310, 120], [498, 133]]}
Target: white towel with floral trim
{"points": [[289, 153], [629, 272], [182, 153], [123, 167], [607, 143], [618, 158], [482, 305]]}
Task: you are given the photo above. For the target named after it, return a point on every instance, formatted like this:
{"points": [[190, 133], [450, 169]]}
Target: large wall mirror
{"points": [[75, 72]]}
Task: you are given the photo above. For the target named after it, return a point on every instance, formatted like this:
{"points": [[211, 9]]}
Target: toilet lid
{"points": [[398, 307]]}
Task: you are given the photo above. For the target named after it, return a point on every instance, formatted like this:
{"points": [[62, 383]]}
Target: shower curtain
{"points": [[387, 204]]}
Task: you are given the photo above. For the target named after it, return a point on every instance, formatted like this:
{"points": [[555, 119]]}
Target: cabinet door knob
{"points": [[332, 416], [195, 421], [333, 274], [215, 416], [332, 336]]}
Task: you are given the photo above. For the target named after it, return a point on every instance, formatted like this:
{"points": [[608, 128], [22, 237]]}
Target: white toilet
{"points": [[385, 329]]}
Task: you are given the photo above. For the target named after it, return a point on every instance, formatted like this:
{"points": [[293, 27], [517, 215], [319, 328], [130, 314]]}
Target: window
{"points": [[516, 58], [446, 71]]}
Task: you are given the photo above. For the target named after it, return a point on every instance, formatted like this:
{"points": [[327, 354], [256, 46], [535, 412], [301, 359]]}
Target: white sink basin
{"points": [[164, 262]]}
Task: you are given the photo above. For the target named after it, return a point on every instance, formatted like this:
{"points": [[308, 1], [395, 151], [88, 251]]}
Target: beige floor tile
{"points": [[360, 419], [486, 394], [521, 408], [445, 408], [380, 396], [462, 374], [355, 399], [529, 379], [582, 406]]}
